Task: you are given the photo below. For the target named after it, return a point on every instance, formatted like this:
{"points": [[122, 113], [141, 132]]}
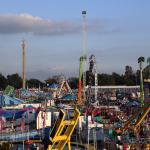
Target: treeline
{"points": [[128, 78], [16, 81]]}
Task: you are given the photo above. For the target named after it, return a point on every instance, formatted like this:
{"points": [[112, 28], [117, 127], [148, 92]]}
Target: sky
{"points": [[118, 32]]}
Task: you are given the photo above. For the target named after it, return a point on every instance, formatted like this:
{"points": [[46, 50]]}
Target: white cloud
{"points": [[26, 23], [57, 68]]}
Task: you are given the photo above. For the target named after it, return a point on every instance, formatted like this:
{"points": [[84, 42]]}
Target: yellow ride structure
{"points": [[139, 116], [142, 112], [62, 131], [139, 121]]}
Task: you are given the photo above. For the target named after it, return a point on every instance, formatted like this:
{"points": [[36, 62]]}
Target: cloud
{"points": [[26, 23], [57, 68]]}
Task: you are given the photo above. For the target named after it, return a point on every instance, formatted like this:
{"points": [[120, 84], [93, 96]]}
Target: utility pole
{"points": [[23, 64]]}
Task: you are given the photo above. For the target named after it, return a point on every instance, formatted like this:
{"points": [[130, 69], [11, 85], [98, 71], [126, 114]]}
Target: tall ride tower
{"points": [[23, 64], [83, 59], [84, 30], [92, 73]]}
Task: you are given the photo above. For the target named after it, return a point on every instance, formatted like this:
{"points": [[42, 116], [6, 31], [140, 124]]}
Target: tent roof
{"points": [[53, 86]]}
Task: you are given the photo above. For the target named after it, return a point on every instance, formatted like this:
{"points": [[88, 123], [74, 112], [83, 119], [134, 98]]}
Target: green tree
{"points": [[129, 76], [14, 80], [34, 83], [128, 70], [137, 77], [119, 79], [51, 80], [105, 79], [3, 82]]}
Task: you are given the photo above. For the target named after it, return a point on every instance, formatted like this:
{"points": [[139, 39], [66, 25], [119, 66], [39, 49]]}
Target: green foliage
{"points": [[128, 78], [34, 83], [137, 75], [128, 71], [54, 79], [14, 80], [105, 79], [118, 79], [3, 82]]}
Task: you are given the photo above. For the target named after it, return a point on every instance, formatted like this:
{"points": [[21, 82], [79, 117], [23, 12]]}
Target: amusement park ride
{"points": [[135, 123], [92, 72], [62, 131], [138, 117], [82, 70], [60, 135], [64, 87], [82, 67]]}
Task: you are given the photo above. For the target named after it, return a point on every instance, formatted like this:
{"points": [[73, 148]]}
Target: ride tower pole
{"points": [[140, 61], [23, 64], [83, 58], [141, 87], [80, 80]]}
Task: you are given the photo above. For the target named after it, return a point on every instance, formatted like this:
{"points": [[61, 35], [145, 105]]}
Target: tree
{"points": [[34, 83], [137, 77], [14, 80], [51, 80], [3, 82], [105, 79], [128, 71], [129, 77], [119, 80]]}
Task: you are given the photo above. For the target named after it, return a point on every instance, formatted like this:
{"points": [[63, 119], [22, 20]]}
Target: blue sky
{"points": [[118, 33]]}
